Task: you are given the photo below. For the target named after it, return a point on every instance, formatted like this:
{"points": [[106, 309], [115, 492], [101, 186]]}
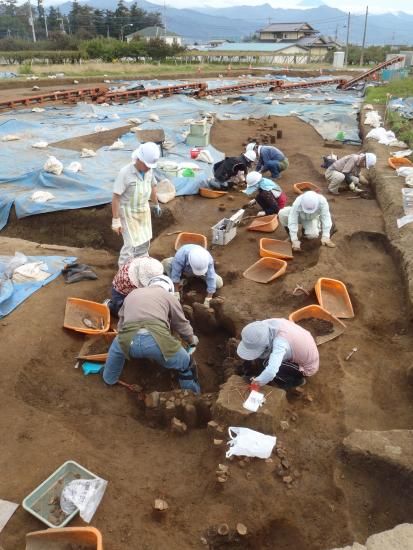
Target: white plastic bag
{"points": [[84, 495], [40, 145], [42, 196], [16, 261], [205, 156], [118, 144], [32, 271], [246, 442], [53, 165], [74, 167], [87, 153], [165, 191]]}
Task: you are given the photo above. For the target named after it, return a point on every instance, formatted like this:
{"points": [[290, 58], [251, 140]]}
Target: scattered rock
{"points": [[223, 530], [152, 400], [177, 426], [284, 425], [281, 452], [287, 479], [160, 505], [285, 463], [218, 442], [241, 529], [308, 398], [231, 197], [294, 417]]}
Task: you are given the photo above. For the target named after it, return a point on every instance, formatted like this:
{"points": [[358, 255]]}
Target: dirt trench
{"points": [[53, 413]]}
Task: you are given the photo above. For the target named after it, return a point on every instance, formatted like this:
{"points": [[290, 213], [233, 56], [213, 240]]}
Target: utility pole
{"points": [[335, 36], [364, 37], [31, 22], [347, 40], [107, 32]]}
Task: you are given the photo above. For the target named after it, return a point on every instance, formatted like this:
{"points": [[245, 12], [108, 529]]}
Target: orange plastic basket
{"points": [[61, 538], [77, 310], [317, 312], [274, 248], [398, 162], [266, 270], [267, 224], [211, 193], [333, 296], [300, 188], [190, 238]]}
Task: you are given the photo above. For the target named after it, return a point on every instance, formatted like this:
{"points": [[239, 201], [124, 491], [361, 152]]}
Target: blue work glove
{"points": [[157, 210]]}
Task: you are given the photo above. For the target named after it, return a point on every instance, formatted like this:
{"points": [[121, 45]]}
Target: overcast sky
{"points": [[376, 6]]}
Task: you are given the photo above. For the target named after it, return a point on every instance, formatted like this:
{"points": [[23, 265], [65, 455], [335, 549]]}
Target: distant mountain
{"points": [[236, 22], [311, 3]]}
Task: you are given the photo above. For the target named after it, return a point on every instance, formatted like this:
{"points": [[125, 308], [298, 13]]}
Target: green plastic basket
{"points": [[39, 502]]}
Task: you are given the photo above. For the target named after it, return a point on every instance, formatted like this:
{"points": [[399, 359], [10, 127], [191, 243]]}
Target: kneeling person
{"points": [[311, 211], [136, 273], [288, 352], [269, 196], [192, 260], [146, 321]]}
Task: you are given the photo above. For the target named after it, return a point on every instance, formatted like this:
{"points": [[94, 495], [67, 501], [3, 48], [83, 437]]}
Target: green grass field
{"points": [[396, 88]]}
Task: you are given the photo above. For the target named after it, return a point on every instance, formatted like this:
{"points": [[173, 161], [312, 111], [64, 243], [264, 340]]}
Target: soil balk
{"points": [[317, 327]]}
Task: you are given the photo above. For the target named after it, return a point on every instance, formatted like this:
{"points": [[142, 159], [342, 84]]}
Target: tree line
{"points": [[82, 22]]}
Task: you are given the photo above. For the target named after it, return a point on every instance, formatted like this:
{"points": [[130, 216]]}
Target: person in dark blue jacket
{"points": [[269, 159]]}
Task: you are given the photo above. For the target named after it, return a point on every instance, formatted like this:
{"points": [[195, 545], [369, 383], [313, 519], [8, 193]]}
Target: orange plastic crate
{"points": [[78, 309], [267, 224], [399, 162], [333, 296], [317, 312], [274, 248], [300, 188], [266, 270], [190, 238], [61, 538], [211, 193]]}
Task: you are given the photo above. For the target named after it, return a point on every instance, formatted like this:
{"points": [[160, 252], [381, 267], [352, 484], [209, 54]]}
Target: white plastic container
{"points": [[225, 230]]}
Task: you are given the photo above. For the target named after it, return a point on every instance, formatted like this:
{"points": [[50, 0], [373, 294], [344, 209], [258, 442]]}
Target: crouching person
{"points": [[269, 196], [192, 260], [136, 273], [310, 211], [147, 320], [287, 353]]}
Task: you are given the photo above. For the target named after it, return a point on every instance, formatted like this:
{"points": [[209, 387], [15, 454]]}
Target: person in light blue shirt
{"points": [[269, 159], [193, 260]]}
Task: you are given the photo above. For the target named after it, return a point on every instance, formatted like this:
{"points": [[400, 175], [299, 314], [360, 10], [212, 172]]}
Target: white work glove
{"points": [[251, 203], [116, 225], [207, 302], [177, 296], [157, 210], [326, 241], [260, 214], [195, 340], [296, 245]]}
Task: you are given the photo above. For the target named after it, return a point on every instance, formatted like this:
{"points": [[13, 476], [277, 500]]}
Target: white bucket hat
{"points": [[148, 153], [199, 259], [310, 201], [371, 160], [253, 179], [255, 340], [141, 270], [250, 155], [250, 146]]}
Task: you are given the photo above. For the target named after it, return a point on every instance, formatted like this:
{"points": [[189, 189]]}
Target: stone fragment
{"points": [[223, 529], [177, 426], [152, 400], [287, 479], [241, 529], [160, 505]]}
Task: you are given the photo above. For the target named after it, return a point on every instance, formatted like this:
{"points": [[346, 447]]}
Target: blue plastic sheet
{"points": [[13, 294], [21, 165]]}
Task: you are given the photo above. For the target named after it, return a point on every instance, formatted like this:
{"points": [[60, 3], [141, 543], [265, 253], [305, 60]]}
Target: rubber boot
{"points": [[188, 379]]}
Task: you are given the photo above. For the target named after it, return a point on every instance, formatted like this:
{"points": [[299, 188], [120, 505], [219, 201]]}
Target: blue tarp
{"points": [[13, 294], [21, 166]]}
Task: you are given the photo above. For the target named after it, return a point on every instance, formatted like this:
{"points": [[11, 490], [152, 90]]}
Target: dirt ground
{"points": [[52, 413]]}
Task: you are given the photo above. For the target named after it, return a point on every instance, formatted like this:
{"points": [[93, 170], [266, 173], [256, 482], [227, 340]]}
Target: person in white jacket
{"points": [[311, 211]]}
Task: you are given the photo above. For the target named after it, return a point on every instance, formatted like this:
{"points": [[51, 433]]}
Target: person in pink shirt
{"points": [[286, 351]]}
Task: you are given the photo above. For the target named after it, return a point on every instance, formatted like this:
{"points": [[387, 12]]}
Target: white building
{"points": [[149, 33]]}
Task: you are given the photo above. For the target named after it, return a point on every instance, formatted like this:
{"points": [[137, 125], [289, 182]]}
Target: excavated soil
{"points": [[52, 413], [317, 327]]}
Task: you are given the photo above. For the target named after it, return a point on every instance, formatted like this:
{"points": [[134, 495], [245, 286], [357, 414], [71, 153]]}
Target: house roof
{"points": [[287, 27], [253, 47], [153, 32], [307, 41]]}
